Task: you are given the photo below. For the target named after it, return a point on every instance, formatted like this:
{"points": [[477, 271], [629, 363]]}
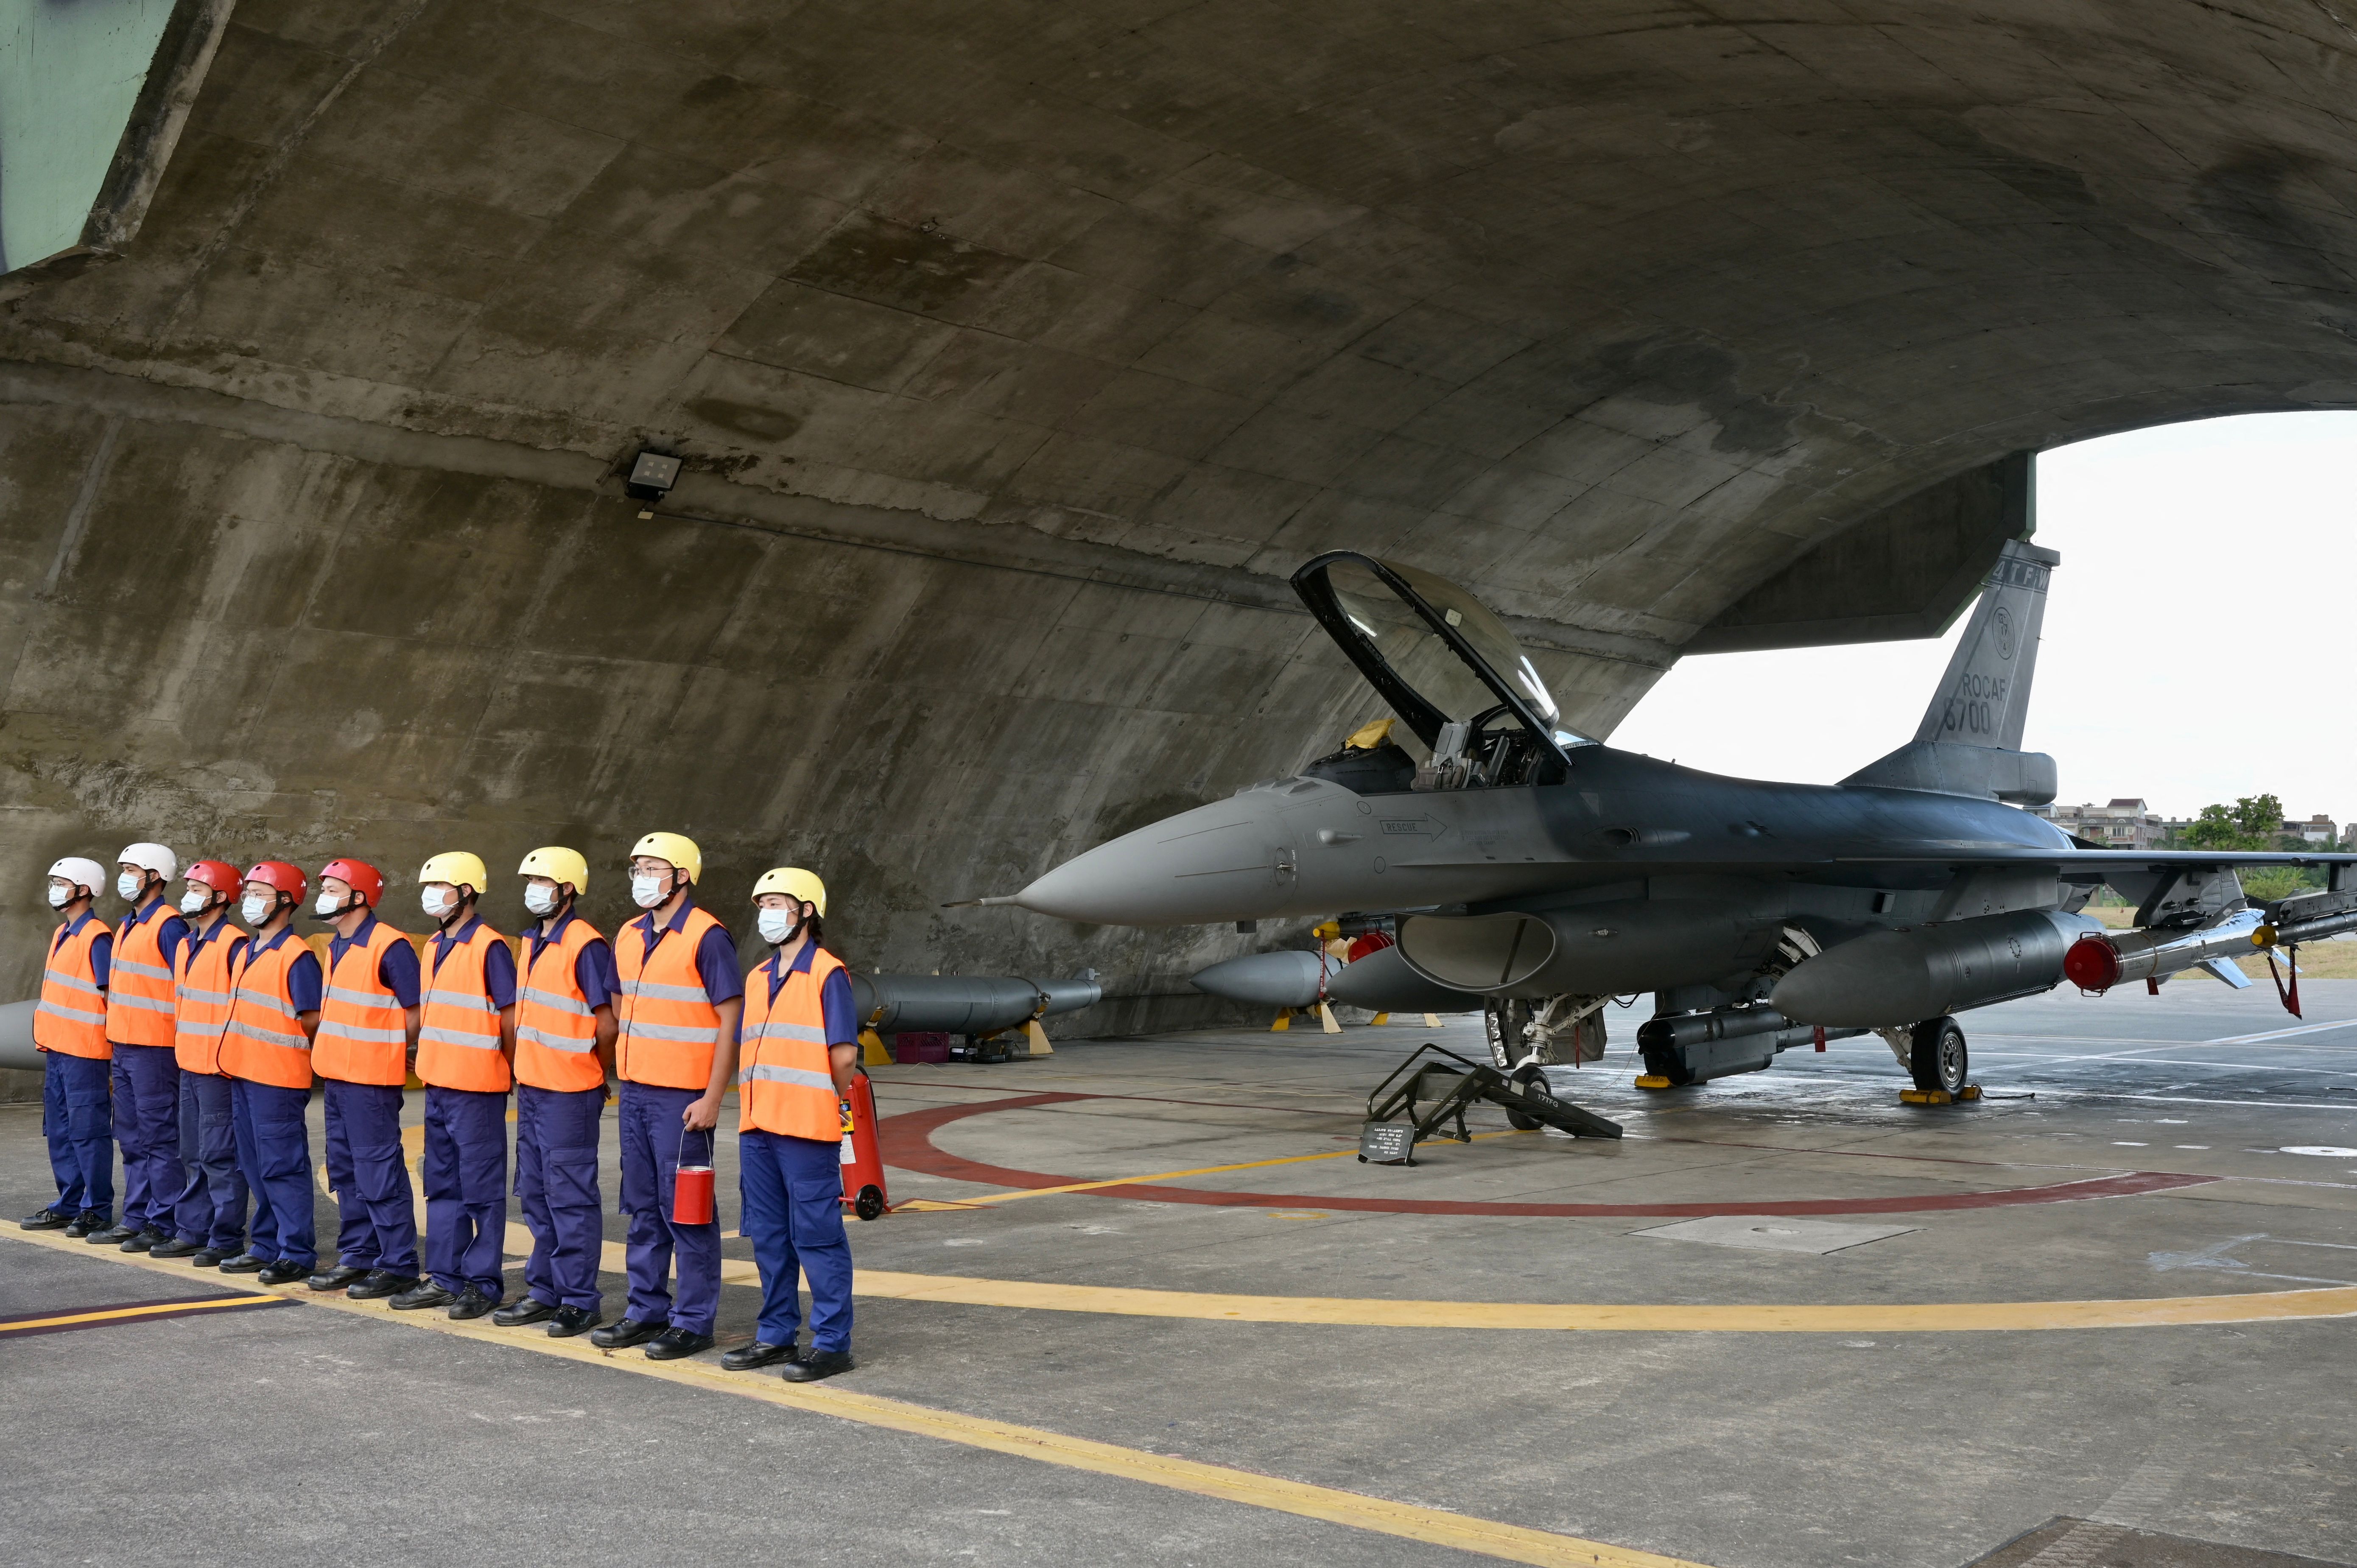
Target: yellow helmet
{"points": [[558, 865], [795, 882], [458, 868], [676, 848]]}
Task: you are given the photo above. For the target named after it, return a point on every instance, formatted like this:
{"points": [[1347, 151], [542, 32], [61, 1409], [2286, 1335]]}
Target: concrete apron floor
{"points": [[1916, 1439]]}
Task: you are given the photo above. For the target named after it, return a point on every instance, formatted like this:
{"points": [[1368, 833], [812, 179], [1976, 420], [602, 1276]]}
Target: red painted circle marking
{"points": [[908, 1143]]}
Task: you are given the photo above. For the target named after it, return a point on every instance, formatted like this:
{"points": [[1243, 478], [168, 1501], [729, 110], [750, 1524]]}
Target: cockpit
{"points": [[1471, 700]]}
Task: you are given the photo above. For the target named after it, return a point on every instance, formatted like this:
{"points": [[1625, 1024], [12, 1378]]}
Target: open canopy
{"points": [[1435, 651]]}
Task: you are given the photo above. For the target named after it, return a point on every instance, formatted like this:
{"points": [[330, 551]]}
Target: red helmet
{"points": [[217, 874], [363, 878], [287, 879]]}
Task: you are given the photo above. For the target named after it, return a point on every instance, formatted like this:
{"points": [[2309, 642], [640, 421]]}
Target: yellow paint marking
{"points": [[150, 1311], [1619, 1317], [1434, 1527]]}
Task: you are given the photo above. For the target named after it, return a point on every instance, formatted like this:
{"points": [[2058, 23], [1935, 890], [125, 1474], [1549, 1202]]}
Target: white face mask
{"points": [[194, 901], [436, 902], [256, 908], [646, 892], [777, 925], [59, 896], [326, 904], [129, 884], [540, 900]]}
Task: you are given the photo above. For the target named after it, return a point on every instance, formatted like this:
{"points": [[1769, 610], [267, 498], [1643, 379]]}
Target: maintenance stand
{"points": [[1420, 1096]]}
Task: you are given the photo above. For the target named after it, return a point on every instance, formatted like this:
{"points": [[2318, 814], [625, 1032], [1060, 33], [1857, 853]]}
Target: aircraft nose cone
{"points": [[1227, 861]]}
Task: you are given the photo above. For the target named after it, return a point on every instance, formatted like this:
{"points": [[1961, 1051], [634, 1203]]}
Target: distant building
{"points": [[2121, 823], [2318, 829]]}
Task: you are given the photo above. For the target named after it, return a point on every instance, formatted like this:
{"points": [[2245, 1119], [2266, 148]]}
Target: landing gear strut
{"points": [[1556, 1031]]}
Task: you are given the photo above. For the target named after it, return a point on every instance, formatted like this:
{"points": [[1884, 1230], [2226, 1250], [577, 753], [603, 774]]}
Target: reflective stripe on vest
{"points": [[265, 1043], [786, 1084], [669, 1028], [139, 984], [556, 1032], [459, 1038], [71, 1017], [203, 996], [363, 1034]]}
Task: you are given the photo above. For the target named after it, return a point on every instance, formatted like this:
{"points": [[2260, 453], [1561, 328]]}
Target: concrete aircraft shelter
{"points": [[1018, 352]]}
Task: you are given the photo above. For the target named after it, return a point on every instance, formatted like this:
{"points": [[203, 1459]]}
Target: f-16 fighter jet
{"points": [[1549, 873]]}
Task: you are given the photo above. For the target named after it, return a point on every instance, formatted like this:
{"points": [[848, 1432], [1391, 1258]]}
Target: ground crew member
{"points": [[266, 1051], [564, 1047], [210, 1215], [674, 1053], [464, 1046], [147, 1071], [368, 1032], [70, 1030], [800, 1046]]}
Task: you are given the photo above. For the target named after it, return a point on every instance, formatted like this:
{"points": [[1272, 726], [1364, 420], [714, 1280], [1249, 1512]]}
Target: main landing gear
{"points": [[1937, 1058], [1934, 1055]]}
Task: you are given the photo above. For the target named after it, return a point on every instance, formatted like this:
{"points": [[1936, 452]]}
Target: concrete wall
{"points": [[1018, 353], [248, 646]]}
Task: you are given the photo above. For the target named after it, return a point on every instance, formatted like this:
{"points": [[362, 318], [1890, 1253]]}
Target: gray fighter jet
{"points": [[1549, 873]]}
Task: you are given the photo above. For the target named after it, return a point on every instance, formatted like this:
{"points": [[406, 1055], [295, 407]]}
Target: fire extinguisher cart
{"points": [[863, 1155]]}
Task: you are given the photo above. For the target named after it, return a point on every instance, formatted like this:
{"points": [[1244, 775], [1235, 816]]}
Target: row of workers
{"points": [[195, 1046]]}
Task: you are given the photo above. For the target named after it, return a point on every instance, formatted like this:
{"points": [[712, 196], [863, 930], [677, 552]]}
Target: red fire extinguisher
{"points": [[863, 1156]]}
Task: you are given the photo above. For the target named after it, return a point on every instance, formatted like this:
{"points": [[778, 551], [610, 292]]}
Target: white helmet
{"points": [[81, 871], [153, 857]]}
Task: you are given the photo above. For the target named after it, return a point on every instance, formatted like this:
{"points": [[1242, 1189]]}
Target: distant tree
{"points": [[2251, 822], [2265, 883]]}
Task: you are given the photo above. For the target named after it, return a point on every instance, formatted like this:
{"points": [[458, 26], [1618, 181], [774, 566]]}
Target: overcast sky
{"points": [[2197, 635]]}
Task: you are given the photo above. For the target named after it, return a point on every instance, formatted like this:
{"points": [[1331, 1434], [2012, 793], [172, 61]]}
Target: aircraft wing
{"points": [[2098, 859]]}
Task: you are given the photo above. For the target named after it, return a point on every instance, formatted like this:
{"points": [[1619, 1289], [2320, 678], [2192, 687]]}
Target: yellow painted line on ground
{"points": [[1560, 1317], [1434, 1527], [1928, 1317], [154, 1309]]}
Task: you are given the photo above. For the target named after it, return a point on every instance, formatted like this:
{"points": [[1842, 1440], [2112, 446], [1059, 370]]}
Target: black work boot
{"points": [[816, 1364], [516, 1313]]}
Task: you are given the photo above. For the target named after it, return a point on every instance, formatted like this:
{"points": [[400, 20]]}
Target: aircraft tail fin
{"points": [[1970, 740], [1984, 699]]}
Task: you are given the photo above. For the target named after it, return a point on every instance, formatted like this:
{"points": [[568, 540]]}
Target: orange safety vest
{"points": [[264, 1042], [71, 1016], [202, 994], [139, 982], [458, 1038], [363, 1035], [785, 1084], [669, 1028], [556, 1034]]}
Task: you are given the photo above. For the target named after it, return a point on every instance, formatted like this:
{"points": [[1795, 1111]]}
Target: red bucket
{"points": [[691, 1195], [691, 1185]]}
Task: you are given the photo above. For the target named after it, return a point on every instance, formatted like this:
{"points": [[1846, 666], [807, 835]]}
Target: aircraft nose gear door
{"points": [[1561, 1031]]}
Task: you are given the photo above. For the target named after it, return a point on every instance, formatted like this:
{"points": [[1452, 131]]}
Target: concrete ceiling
{"points": [[1667, 323], [1615, 308]]}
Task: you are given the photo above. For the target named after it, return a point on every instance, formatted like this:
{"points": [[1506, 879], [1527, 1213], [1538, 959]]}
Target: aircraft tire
{"points": [[1531, 1081], [1937, 1057]]}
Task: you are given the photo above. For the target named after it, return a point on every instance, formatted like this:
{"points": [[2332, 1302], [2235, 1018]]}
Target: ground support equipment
{"points": [[1422, 1096]]}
